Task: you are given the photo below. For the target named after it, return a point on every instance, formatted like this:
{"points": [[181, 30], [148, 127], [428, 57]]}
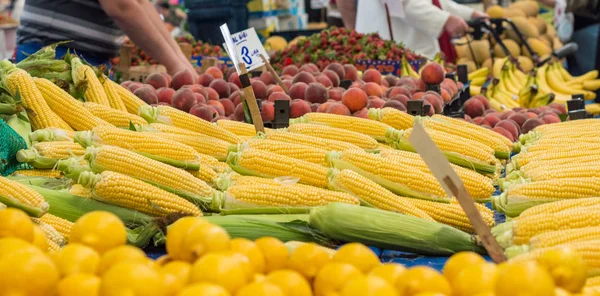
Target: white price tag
{"points": [[230, 46], [396, 7], [249, 48]]}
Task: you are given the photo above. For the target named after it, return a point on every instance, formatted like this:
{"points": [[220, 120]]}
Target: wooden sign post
{"points": [[275, 75], [453, 185], [250, 99]]}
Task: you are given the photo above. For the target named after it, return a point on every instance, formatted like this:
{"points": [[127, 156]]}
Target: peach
{"points": [[384, 83], [473, 107], [395, 104], [217, 105], [338, 108], [336, 93], [351, 73], [279, 96], [324, 80], [288, 83], [167, 77], [435, 101], [157, 80], [391, 80], [184, 99], [333, 77], [274, 88], [197, 88], [298, 108], [290, 70], [355, 99], [316, 93], [559, 107], [417, 95], [235, 98], [126, 83], [267, 78], [510, 126], [372, 89], [450, 85], [165, 94], [310, 68], [550, 118], [396, 90], [205, 112], [530, 124], [420, 85], [519, 118], [211, 94], [401, 98], [200, 98], [531, 115], [445, 95], [228, 106], [535, 110], [260, 89], [235, 79], [147, 94], [205, 79], [409, 82], [133, 86], [362, 113], [238, 113], [431, 108], [372, 75], [305, 77], [221, 87], [337, 68], [297, 90], [314, 107], [375, 102], [267, 111], [492, 119], [214, 72], [433, 73], [233, 86], [480, 121], [483, 100], [504, 132], [506, 114], [181, 78]]}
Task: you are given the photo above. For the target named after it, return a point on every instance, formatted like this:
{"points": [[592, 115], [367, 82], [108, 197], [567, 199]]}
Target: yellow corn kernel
{"points": [[566, 236], [17, 195], [39, 173], [94, 91], [559, 206], [392, 117], [239, 128], [115, 117], [114, 99], [132, 102], [332, 133], [61, 225], [297, 151], [205, 174], [79, 190], [202, 144], [464, 125], [50, 232], [326, 144], [452, 214], [364, 126], [59, 149], [566, 188]]}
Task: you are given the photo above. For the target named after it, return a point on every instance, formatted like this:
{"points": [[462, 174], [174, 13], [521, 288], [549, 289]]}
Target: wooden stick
{"points": [[389, 21], [251, 99], [275, 75], [441, 169]]}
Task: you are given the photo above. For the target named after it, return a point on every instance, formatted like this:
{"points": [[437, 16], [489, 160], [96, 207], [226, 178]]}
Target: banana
{"points": [[560, 88], [591, 85], [587, 76], [541, 100], [514, 80], [481, 72], [593, 108], [565, 74], [557, 73], [475, 90], [497, 67], [518, 74], [525, 95], [508, 85], [497, 105], [479, 81]]}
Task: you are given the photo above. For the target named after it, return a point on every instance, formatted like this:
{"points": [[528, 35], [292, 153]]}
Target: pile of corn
{"points": [[202, 259]]}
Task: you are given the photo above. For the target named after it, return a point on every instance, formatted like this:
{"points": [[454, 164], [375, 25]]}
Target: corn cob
{"points": [[479, 187], [270, 165], [50, 232], [564, 147], [94, 91], [53, 247], [332, 133], [392, 117], [45, 155], [298, 151], [131, 193], [80, 190], [294, 195], [169, 129], [372, 194], [21, 85], [239, 128], [115, 117], [589, 250], [14, 194], [565, 128], [61, 225], [547, 189], [67, 107], [372, 128], [132, 102], [592, 282], [397, 177], [551, 155], [205, 174], [164, 150], [180, 182], [450, 143], [202, 144], [567, 236], [221, 167], [557, 164], [114, 99], [559, 206], [584, 170], [329, 145], [188, 121], [472, 128], [502, 150], [452, 214], [51, 134], [39, 173]]}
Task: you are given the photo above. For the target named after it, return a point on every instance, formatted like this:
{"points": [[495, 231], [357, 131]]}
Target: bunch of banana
{"points": [[499, 98], [554, 78], [407, 69], [479, 76]]}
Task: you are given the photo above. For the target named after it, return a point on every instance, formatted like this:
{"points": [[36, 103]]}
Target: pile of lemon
{"points": [[203, 260]]}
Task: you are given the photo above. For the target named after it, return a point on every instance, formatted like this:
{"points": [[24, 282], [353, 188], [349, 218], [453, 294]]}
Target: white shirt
{"points": [[420, 27]]}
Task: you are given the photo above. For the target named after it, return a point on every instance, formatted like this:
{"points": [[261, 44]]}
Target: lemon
{"points": [[561, 292], [390, 272], [566, 267], [308, 259], [201, 238], [39, 238], [79, 284], [100, 230], [333, 276], [15, 223], [76, 258], [249, 248], [177, 232], [9, 245], [474, 279], [275, 252], [458, 261], [132, 278], [162, 260], [118, 255], [421, 279], [358, 255], [260, 289], [523, 278], [204, 289], [222, 269], [369, 285], [290, 282], [175, 275], [28, 273]]}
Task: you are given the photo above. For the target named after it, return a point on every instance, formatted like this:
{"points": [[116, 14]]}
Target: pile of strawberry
{"points": [[340, 45]]}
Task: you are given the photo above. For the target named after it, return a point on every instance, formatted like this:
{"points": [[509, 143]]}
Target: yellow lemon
{"points": [[308, 259], [421, 279], [290, 282], [251, 250], [368, 286], [201, 238], [39, 238], [358, 255], [28, 273], [566, 267], [390, 272], [474, 279], [100, 230], [222, 269], [458, 261], [523, 278], [260, 289], [333, 276], [430, 294], [561, 292], [76, 258], [9, 245], [15, 223], [132, 278], [164, 259], [118, 255], [275, 252], [177, 232], [204, 289], [79, 284], [175, 275]]}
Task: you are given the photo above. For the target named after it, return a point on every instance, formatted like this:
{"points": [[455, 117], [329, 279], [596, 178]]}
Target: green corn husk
{"points": [[49, 135], [388, 230], [45, 182], [513, 206], [33, 158]]}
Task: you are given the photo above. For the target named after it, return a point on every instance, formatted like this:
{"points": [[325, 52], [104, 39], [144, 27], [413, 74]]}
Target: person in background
{"points": [[424, 26], [96, 29], [171, 13], [334, 17]]}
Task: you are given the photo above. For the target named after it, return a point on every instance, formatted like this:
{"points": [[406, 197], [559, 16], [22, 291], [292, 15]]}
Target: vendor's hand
{"points": [[479, 14], [455, 26]]}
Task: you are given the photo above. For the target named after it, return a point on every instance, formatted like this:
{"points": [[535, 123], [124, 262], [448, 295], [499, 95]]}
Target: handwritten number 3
{"points": [[245, 55]]}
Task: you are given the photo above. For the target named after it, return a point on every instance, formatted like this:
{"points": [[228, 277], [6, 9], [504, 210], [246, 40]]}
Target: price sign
{"points": [[248, 48]]}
